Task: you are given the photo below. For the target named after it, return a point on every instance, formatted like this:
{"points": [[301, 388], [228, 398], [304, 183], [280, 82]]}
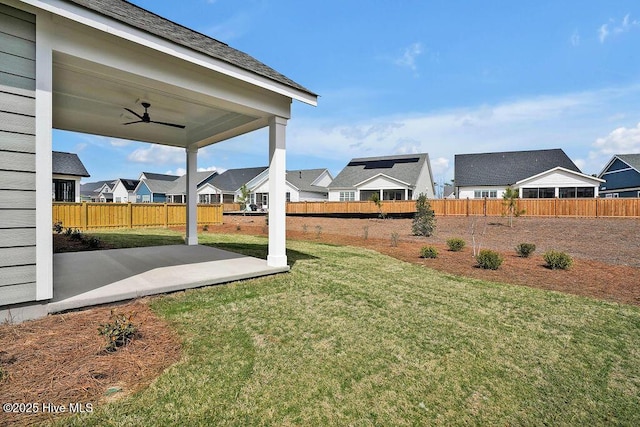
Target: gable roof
{"points": [[232, 179], [507, 167], [149, 22], [632, 160], [90, 188], [68, 164], [159, 186], [405, 168], [129, 184], [159, 176], [566, 172], [180, 185], [303, 180]]}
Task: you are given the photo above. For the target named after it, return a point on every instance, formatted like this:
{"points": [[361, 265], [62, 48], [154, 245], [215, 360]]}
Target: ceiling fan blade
{"points": [[130, 123], [168, 124], [134, 113]]}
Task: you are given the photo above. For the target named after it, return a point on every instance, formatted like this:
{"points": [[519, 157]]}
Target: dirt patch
{"points": [[60, 360], [605, 251]]}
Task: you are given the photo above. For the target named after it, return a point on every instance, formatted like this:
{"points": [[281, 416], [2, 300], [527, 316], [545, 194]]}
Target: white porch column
{"points": [[277, 256], [192, 196]]}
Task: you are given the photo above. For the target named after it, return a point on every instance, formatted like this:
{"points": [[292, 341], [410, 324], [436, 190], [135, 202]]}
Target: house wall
{"points": [[323, 180], [560, 179], [469, 192], [76, 179], [17, 156], [620, 176], [120, 193], [424, 184], [307, 196]]}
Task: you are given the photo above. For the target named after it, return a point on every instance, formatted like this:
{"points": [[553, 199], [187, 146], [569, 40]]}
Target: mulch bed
{"points": [[61, 360]]}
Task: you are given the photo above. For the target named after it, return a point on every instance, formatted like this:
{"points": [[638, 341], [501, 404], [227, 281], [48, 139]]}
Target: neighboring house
{"points": [[90, 191], [178, 192], [304, 185], [67, 171], [226, 187], [401, 177], [123, 190], [622, 175], [105, 193], [449, 192], [153, 187], [537, 174]]}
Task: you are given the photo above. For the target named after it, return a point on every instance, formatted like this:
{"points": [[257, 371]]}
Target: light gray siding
{"points": [[17, 156]]}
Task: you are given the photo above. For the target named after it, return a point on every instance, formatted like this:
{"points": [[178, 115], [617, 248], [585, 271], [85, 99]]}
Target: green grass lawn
{"points": [[352, 337]]}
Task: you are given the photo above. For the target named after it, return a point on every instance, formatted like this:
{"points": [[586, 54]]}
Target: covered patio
{"points": [[114, 69], [90, 278]]}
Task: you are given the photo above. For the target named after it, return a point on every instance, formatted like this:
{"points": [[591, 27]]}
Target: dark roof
{"points": [[68, 164], [160, 176], [508, 167], [129, 184], [405, 168], [632, 160], [233, 179], [149, 22], [303, 180]]}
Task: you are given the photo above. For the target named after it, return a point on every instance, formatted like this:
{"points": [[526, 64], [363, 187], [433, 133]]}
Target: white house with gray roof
{"points": [[535, 173], [112, 68], [400, 177], [67, 171], [304, 185]]}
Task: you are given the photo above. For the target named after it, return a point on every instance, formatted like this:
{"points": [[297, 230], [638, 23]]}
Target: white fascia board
{"points": [[324, 172], [609, 163], [558, 169], [124, 31], [382, 175], [258, 180]]}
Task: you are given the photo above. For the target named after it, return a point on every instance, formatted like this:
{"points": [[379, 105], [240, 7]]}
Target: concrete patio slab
{"points": [[84, 279]]}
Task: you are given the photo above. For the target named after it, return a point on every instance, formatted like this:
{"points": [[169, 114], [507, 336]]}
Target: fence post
{"points": [[130, 215], [166, 215], [84, 213], [467, 206]]}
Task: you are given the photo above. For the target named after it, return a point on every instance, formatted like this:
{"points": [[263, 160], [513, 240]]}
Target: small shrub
{"points": [[57, 227], [395, 237], [238, 227], [524, 250], [365, 232], [76, 235], [428, 252], [68, 232], [205, 227], [318, 231], [424, 221], [119, 331], [305, 228], [557, 260], [456, 244], [93, 242], [489, 260]]}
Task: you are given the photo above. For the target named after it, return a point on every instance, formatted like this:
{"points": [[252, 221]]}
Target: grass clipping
{"points": [[61, 359]]}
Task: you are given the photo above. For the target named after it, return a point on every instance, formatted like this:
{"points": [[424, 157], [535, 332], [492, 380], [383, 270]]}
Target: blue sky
{"points": [[442, 77]]}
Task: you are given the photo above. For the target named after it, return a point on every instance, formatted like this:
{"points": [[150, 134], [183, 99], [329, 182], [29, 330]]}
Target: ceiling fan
{"points": [[144, 118]]}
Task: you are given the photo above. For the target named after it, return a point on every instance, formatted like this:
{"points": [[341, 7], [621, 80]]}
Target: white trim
{"points": [[619, 170], [44, 156], [406, 184], [558, 168], [192, 196], [277, 255], [112, 26]]}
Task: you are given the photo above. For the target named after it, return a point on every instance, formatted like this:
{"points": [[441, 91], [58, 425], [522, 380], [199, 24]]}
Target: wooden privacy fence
{"points": [[588, 208], [86, 216]]}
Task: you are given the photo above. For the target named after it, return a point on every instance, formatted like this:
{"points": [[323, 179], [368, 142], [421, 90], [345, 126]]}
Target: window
{"points": [[146, 198], [347, 196], [581, 192], [64, 190], [288, 196], [615, 195], [481, 194], [539, 193]]}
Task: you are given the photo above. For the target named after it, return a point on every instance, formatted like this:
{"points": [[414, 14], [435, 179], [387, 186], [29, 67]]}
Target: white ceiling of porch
{"points": [[91, 98]]}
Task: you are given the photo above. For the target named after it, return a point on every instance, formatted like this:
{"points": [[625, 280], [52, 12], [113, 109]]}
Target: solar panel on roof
{"points": [[382, 164]]}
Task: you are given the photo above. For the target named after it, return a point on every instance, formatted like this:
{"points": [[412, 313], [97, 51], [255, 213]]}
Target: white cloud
{"points": [[181, 171], [115, 142], [611, 28], [439, 165], [409, 55], [620, 141], [177, 171], [157, 154]]}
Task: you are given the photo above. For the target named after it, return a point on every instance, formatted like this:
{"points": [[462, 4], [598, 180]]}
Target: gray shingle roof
{"points": [[632, 160], [405, 168], [68, 164], [302, 180], [129, 184], [159, 186], [89, 188], [232, 179], [142, 19], [508, 167], [180, 185], [160, 176]]}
